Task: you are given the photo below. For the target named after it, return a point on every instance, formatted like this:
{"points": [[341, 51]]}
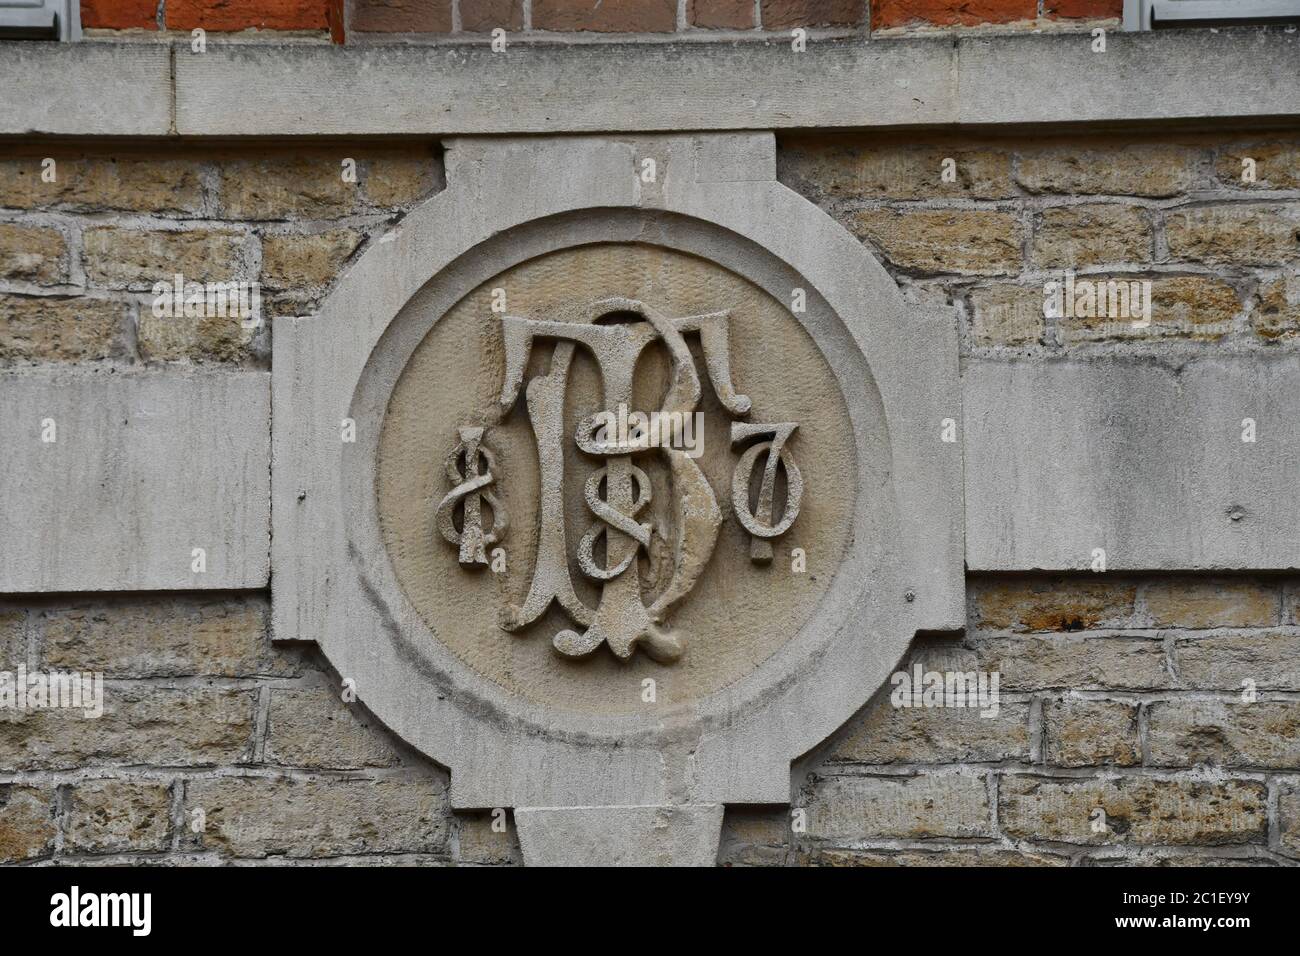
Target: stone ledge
{"points": [[288, 90], [85, 89]]}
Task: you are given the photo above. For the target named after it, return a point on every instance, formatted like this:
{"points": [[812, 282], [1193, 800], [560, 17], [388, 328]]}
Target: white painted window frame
{"points": [[1155, 14], [40, 20]]}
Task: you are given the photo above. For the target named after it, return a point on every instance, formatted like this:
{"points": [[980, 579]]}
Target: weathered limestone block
{"points": [[119, 816], [169, 637], [33, 254], [156, 726], [1075, 237], [49, 329], [1085, 733], [255, 817], [1269, 660], [845, 809], [1133, 810], [1224, 733], [1094, 662], [1122, 170], [27, 828], [969, 242]]}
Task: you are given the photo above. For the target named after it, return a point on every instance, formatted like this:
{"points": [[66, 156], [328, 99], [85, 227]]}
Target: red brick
{"points": [[336, 14], [897, 13], [787, 14], [401, 16], [119, 14], [228, 15], [1084, 9], [606, 16], [484, 16], [721, 14]]}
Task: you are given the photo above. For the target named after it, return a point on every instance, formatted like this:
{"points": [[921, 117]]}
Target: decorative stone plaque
{"points": [[615, 480]]}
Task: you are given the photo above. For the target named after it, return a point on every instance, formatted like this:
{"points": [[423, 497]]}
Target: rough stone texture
{"points": [[153, 637], [1087, 663], [829, 168], [33, 254], [1074, 237], [1277, 165], [1007, 315], [27, 826], [1277, 316], [62, 329], [126, 258], [482, 841], [286, 188], [13, 638], [256, 817], [1137, 170], [1084, 733], [223, 340], [1138, 810], [166, 727], [313, 728], [606, 16], [1289, 814], [396, 181], [975, 242], [1224, 733], [975, 856], [118, 816], [890, 734], [89, 182], [933, 805], [1193, 307], [310, 261], [1269, 659], [1054, 604], [1198, 603], [362, 812], [1251, 234]]}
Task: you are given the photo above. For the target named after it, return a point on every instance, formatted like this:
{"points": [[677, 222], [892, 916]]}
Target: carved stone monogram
{"points": [[772, 562], [618, 491]]}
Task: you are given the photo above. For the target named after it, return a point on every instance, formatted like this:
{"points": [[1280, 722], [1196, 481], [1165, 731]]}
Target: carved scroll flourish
{"points": [[470, 467]]}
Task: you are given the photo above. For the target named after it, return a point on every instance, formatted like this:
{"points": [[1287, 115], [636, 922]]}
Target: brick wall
{"points": [[1122, 696], [1221, 253], [79, 255], [358, 19]]}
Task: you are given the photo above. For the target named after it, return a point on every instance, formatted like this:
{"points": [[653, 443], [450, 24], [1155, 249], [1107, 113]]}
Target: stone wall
{"points": [[1166, 702], [1124, 694]]}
